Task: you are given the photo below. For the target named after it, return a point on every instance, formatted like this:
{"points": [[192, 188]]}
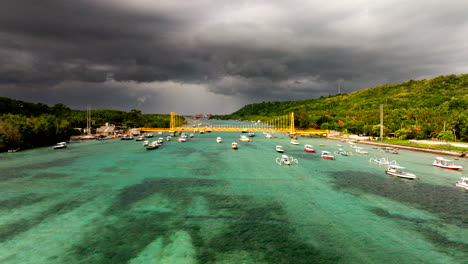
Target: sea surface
{"points": [[113, 201]]}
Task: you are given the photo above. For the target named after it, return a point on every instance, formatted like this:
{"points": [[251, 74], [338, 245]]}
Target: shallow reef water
{"points": [[199, 201]]}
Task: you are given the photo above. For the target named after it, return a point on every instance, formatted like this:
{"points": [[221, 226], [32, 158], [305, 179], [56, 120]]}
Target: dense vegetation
{"points": [[27, 125], [435, 108]]}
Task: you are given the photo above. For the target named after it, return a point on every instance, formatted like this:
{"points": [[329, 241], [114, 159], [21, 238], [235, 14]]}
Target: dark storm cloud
{"points": [[57, 51]]}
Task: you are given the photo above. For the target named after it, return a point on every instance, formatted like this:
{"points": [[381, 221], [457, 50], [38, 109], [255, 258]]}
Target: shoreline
{"points": [[460, 154]]}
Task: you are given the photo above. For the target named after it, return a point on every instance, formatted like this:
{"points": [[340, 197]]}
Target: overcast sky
{"points": [[214, 56]]}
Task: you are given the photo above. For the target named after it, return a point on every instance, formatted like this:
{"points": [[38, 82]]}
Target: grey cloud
{"points": [[248, 50]]}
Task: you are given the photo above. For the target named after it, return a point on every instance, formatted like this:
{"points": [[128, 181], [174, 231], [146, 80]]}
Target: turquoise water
{"points": [[201, 202]]}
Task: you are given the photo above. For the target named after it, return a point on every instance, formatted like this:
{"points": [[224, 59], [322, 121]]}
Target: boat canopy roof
{"points": [[395, 166], [464, 178], [442, 159]]}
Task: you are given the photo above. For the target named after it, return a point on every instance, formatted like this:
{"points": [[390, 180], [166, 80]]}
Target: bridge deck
{"points": [[234, 129]]}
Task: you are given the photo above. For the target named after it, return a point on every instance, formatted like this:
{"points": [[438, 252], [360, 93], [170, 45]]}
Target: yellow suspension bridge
{"points": [[280, 124]]}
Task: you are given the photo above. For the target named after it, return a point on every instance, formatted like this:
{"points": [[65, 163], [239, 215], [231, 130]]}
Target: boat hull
{"points": [[402, 175], [459, 184], [447, 167]]}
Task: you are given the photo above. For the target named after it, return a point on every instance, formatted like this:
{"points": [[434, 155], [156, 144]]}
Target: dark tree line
{"points": [[26, 125]]}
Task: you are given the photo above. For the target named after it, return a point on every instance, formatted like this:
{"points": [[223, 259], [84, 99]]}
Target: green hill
{"points": [[412, 109]]}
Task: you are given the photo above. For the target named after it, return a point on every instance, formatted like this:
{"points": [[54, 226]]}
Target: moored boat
{"points": [[463, 183], [168, 138], [139, 138], [391, 150], [342, 152], [234, 145], [285, 160], [251, 134], [182, 138], [445, 164], [398, 171], [145, 143], [360, 150], [309, 148], [294, 142], [382, 161], [279, 149], [327, 155], [219, 139], [60, 145], [152, 145], [244, 138]]}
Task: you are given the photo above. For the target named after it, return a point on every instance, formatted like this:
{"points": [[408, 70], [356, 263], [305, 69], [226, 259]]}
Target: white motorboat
{"points": [[391, 150], [446, 164], [152, 145], [60, 145], [191, 135], [139, 138], [219, 139], [463, 183], [160, 140], [309, 148], [382, 161], [145, 143], [285, 160], [234, 145], [182, 138], [294, 142], [168, 138], [251, 134], [327, 155], [360, 150], [268, 135], [279, 149], [396, 170], [244, 138]]}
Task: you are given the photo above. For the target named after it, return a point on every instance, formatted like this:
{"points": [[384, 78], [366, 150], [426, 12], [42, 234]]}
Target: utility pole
{"points": [[381, 121]]}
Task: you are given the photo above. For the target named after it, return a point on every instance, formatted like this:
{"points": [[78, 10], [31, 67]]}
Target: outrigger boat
{"points": [[309, 148], [396, 170], [279, 149], [463, 183], [446, 164], [342, 152], [327, 155], [284, 159], [360, 150], [382, 161]]}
